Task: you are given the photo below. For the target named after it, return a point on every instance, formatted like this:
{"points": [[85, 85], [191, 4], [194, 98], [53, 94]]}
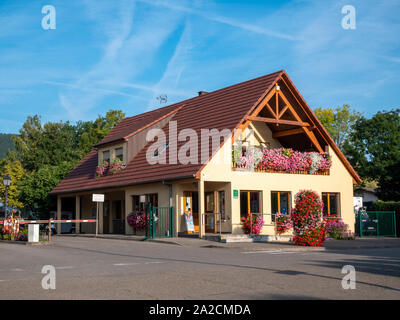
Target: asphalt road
{"points": [[88, 268]]}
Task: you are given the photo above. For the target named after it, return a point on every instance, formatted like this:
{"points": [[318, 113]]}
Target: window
{"points": [[119, 154], [331, 204], [160, 150], [106, 156], [249, 202], [221, 204], [151, 198], [280, 203]]}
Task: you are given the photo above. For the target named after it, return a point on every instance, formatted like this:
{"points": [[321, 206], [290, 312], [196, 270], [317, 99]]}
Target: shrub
{"points": [[307, 219], [283, 223], [255, 226]]}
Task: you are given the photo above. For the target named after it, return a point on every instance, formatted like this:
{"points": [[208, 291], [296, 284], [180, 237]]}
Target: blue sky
{"points": [[123, 54]]}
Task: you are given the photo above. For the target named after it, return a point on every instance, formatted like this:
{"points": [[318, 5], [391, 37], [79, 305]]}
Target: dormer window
{"points": [[160, 150], [119, 154]]}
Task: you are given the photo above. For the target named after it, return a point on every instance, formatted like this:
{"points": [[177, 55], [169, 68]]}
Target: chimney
{"points": [[202, 92]]}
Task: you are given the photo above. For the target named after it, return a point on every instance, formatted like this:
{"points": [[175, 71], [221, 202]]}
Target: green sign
{"points": [[235, 194]]}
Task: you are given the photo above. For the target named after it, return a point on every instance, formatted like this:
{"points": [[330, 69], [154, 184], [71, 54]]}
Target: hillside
{"points": [[5, 144]]}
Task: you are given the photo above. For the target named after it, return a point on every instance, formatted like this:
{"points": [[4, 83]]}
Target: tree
{"points": [[49, 144], [16, 172], [35, 188], [373, 148], [338, 122], [90, 133]]}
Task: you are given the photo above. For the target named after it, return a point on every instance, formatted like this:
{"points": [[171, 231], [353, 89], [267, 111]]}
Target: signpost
{"points": [[97, 198]]}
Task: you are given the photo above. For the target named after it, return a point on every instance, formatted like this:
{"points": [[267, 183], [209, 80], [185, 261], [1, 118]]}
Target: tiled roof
{"points": [[224, 108]]}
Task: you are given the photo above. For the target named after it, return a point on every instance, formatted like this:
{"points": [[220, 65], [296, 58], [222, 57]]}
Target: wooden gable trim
{"points": [[321, 129]]}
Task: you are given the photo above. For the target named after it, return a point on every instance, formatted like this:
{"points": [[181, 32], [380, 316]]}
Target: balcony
{"points": [[282, 160]]}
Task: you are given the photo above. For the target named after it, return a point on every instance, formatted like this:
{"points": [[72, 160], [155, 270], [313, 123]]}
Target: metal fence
{"points": [[160, 222], [376, 224]]}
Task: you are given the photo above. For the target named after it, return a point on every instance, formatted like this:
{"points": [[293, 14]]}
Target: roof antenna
{"points": [[162, 98]]}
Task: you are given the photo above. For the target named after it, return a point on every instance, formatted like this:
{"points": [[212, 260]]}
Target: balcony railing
{"points": [[237, 167]]}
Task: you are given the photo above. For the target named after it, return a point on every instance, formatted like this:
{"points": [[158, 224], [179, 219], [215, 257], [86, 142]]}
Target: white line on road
{"points": [[136, 263], [273, 251], [66, 267], [17, 269]]}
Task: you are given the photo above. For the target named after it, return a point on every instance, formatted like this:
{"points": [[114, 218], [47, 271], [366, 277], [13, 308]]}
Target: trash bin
{"points": [[33, 233]]}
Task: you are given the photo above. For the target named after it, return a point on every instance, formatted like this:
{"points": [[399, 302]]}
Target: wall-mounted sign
{"points": [[98, 198], [142, 198], [235, 194]]}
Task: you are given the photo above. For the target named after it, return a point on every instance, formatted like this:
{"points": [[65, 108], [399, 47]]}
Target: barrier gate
{"points": [[375, 224], [160, 222]]}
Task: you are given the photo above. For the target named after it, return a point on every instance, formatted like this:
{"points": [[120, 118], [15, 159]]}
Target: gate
{"points": [[160, 222], [376, 224]]}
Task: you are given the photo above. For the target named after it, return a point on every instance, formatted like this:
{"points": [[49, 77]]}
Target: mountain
{"points": [[5, 144]]}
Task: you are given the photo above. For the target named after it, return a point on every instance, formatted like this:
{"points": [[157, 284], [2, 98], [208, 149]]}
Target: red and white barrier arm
{"points": [[52, 221]]}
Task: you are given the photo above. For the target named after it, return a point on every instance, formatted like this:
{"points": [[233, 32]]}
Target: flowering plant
{"points": [[116, 166], [282, 160], [283, 223], [337, 229], [309, 230], [137, 220], [253, 223], [102, 169]]}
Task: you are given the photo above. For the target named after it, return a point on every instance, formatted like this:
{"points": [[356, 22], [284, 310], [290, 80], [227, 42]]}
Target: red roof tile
{"points": [[224, 108]]}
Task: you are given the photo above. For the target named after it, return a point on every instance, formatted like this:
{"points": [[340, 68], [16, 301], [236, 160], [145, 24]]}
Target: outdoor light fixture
{"points": [[278, 88], [6, 183]]}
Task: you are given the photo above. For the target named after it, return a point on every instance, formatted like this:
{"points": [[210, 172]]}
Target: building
{"points": [[174, 169]]}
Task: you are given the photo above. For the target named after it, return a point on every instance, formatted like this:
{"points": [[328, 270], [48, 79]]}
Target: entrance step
{"points": [[229, 238]]}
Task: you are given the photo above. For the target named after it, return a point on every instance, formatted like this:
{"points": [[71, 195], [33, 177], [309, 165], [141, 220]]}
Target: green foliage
{"points": [[338, 122], [48, 152], [17, 173], [386, 206], [373, 148], [35, 188], [6, 144]]}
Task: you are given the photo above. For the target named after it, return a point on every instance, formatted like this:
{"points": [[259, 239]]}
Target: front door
{"points": [[191, 204]]}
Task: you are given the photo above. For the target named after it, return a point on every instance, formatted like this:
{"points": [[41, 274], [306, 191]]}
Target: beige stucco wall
{"points": [[339, 180]]}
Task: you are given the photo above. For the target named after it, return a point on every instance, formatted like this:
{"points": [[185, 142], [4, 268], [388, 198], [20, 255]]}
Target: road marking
{"points": [[262, 251], [17, 269], [273, 251], [66, 267], [136, 263], [125, 264]]}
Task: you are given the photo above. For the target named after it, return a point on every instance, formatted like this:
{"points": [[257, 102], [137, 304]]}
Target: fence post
{"points": [[49, 234], [394, 223], [359, 217], [377, 224], [251, 224]]}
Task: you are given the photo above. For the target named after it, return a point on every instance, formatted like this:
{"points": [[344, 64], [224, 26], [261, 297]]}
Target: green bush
{"points": [[386, 206]]}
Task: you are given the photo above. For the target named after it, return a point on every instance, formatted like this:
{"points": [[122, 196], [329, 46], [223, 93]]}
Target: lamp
{"points": [[6, 183]]}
